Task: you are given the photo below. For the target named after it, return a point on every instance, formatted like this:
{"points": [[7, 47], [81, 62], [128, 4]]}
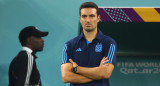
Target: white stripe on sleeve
{"points": [[29, 70]]}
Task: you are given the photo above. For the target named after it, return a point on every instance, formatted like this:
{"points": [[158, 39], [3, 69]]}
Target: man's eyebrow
{"points": [[84, 15], [92, 14]]}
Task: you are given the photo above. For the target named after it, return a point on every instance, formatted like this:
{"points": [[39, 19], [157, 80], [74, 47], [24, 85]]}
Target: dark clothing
{"points": [[90, 54], [23, 70]]}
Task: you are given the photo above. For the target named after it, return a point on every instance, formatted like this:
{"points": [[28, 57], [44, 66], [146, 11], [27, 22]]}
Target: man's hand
{"points": [[103, 71], [73, 63], [104, 62]]}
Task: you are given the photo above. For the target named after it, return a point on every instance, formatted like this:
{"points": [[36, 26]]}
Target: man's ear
{"points": [[80, 19], [99, 17], [29, 40]]}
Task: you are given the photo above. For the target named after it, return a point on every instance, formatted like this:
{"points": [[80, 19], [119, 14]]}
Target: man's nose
{"points": [[42, 40], [88, 19]]}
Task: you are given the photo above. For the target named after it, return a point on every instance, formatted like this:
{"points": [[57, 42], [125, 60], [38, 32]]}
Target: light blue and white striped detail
{"points": [[78, 50], [64, 55], [111, 53]]}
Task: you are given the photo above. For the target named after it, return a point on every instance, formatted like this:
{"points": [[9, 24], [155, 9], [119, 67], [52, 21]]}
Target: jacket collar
{"points": [[99, 35], [27, 49]]}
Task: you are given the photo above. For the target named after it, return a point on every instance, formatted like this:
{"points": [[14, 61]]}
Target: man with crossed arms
{"points": [[89, 59]]}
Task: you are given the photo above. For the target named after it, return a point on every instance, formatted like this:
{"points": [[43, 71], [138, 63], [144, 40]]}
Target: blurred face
{"points": [[37, 43], [89, 19]]}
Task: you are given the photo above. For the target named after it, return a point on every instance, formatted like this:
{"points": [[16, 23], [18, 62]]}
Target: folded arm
{"points": [[69, 77], [103, 71], [96, 72]]}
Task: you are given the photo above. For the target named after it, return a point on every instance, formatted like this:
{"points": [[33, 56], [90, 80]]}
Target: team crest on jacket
{"points": [[98, 47]]}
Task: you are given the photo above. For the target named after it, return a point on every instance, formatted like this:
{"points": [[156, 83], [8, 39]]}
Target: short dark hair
{"points": [[89, 5]]}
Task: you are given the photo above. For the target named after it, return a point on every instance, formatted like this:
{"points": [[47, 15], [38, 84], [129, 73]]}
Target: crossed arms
{"points": [[86, 74]]}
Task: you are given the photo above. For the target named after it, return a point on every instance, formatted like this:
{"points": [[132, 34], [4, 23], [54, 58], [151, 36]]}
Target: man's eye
{"points": [[92, 15], [84, 16]]}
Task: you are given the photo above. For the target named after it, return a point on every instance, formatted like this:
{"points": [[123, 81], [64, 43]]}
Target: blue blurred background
{"points": [[60, 18]]}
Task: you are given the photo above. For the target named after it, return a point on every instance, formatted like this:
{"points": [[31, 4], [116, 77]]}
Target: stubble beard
{"points": [[89, 29]]}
